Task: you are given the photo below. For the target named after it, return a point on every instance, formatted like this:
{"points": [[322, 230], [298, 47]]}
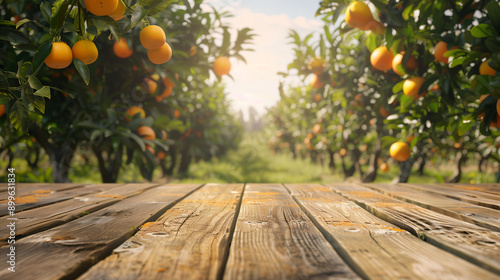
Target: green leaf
{"points": [[23, 69], [493, 44], [457, 62], [46, 10], [226, 41], [398, 87], [464, 127], [34, 82], [13, 36], [41, 54], [58, 16], [136, 138], [39, 103], [21, 22], [156, 6], [137, 16], [18, 116], [482, 30], [82, 69], [372, 42], [43, 92], [88, 124], [494, 14], [4, 99], [63, 91]]}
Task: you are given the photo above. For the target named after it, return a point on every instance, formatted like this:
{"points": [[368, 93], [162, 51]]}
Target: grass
{"points": [[252, 162]]}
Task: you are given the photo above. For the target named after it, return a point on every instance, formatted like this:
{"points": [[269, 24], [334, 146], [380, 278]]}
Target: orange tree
{"points": [[88, 111], [425, 63]]}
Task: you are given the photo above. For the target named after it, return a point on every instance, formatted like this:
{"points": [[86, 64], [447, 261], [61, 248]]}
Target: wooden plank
{"points": [[34, 197], [470, 196], [374, 248], [39, 219], [475, 244], [68, 250], [190, 241], [487, 188], [274, 239], [481, 216], [36, 188]]}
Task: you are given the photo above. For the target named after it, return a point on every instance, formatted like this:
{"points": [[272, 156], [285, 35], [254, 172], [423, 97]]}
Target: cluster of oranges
{"points": [[62, 55], [112, 8], [359, 15], [153, 38]]}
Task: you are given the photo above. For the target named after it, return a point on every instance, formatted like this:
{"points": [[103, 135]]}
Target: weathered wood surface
{"points": [[38, 186], [274, 239], [68, 250], [475, 244], [466, 195], [190, 241], [487, 188], [39, 219], [36, 196], [375, 248], [481, 216]]}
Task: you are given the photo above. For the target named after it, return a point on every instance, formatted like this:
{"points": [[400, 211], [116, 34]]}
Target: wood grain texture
{"points": [[24, 189], [376, 248], [481, 216], [470, 196], [188, 242], [40, 195], [64, 252], [486, 188], [274, 239], [39, 219], [468, 241]]}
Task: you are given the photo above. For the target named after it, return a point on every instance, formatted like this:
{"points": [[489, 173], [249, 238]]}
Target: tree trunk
{"points": [[371, 174], [185, 160], [356, 155], [109, 173], [457, 175], [482, 161], [404, 171], [331, 160], [292, 150], [173, 162], [348, 172], [421, 165]]}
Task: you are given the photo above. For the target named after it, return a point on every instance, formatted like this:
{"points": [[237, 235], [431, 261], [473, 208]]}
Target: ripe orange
{"points": [[101, 7], [167, 82], [358, 14], [150, 149], [439, 50], [151, 84], [192, 51], [2, 109], [222, 66], [457, 145], [160, 155], [147, 133], [381, 58], [410, 64], [498, 107], [342, 152], [152, 37], [375, 27], [411, 86], [317, 97], [60, 56], [485, 69], [119, 12], [163, 135], [384, 167], [383, 111], [409, 139], [400, 151], [121, 48], [86, 51], [316, 65], [134, 110], [160, 55], [316, 129], [316, 82], [177, 113]]}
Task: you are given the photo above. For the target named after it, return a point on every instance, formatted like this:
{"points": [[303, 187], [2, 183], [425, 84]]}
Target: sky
{"points": [[256, 83]]}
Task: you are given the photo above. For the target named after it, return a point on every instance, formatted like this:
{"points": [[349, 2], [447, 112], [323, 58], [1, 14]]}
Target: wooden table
{"points": [[252, 231]]}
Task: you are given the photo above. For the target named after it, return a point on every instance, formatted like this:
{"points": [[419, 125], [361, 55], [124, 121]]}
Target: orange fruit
{"points": [[375, 27], [119, 12], [316, 65], [358, 14], [381, 58], [383, 111], [121, 48], [222, 66], [150, 149], [316, 129], [411, 86], [101, 7], [409, 138], [60, 56], [498, 107], [86, 51], [160, 55], [192, 51], [343, 152], [147, 133], [152, 37], [132, 111], [384, 167], [457, 145], [177, 113], [167, 82], [2, 109], [152, 85], [410, 64], [317, 97], [439, 50], [400, 151], [485, 69], [160, 155], [163, 135], [316, 82]]}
